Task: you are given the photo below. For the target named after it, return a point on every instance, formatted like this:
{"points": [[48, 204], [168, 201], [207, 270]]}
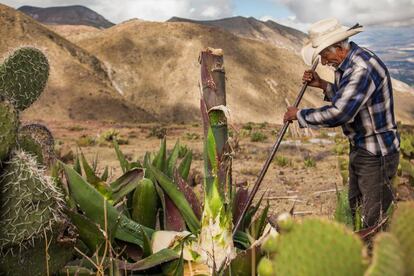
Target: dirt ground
{"points": [[310, 187]]}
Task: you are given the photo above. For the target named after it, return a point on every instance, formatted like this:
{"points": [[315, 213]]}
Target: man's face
{"points": [[330, 58]]}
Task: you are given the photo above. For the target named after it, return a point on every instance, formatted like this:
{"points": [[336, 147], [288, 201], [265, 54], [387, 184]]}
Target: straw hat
{"points": [[325, 33]]}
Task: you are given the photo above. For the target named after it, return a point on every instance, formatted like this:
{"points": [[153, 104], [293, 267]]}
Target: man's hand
{"points": [[290, 114], [313, 79]]}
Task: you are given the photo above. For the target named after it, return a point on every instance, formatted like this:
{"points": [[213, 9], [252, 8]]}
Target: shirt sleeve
{"points": [[328, 92], [354, 89]]}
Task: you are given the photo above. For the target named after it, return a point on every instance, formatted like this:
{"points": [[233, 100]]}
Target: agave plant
{"points": [[151, 215]]}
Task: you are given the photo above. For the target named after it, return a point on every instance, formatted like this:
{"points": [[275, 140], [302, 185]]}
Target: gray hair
{"points": [[344, 44]]}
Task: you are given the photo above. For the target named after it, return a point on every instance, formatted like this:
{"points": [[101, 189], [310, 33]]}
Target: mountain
{"points": [[155, 66], [394, 45], [266, 31], [67, 15], [79, 86], [142, 71]]}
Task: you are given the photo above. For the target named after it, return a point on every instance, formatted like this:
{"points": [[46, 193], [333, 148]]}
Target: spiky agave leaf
{"points": [[216, 225]]}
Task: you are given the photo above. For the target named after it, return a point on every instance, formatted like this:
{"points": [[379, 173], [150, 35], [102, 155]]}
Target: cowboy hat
{"points": [[325, 33]]}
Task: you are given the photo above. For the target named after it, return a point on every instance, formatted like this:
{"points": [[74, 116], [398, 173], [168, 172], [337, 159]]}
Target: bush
{"points": [[257, 136], [107, 137], [157, 131], [309, 162], [248, 126], [192, 136], [86, 141], [282, 161]]}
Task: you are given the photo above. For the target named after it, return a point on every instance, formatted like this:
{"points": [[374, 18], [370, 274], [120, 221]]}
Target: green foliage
{"points": [[23, 77], [388, 258], [192, 136], [9, 123], [86, 141], [407, 145], [402, 227], [309, 162], [145, 204], [282, 161], [318, 247], [107, 137], [248, 126], [265, 267], [37, 139], [158, 132], [31, 204], [343, 212], [258, 136]]}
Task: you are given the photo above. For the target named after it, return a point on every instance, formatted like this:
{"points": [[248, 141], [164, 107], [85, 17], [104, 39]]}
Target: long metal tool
{"points": [[272, 154]]}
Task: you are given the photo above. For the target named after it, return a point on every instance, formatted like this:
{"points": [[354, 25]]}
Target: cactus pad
{"points": [[36, 139], [319, 247], [23, 77], [31, 204], [402, 226], [8, 128], [387, 257]]}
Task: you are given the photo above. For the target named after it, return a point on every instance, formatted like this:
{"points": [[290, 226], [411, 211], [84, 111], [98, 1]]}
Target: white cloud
{"points": [[158, 10], [290, 21], [368, 12]]}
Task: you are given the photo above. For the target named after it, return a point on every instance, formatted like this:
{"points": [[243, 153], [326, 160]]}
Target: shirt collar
{"points": [[346, 62]]}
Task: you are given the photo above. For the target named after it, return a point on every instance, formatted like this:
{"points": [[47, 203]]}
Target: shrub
{"points": [[257, 136], [85, 141], [309, 162], [282, 161]]}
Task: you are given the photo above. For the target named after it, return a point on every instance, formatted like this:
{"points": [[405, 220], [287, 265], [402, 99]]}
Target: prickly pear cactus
{"points": [[388, 259], [31, 204], [402, 226], [23, 77], [37, 140], [9, 123], [318, 247]]}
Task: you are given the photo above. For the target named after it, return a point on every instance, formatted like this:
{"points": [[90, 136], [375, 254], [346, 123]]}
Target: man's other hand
{"points": [[290, 114], [313, 79]]}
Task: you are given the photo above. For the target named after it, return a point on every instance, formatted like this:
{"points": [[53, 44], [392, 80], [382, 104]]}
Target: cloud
{"points": [[158, 10], [290, 21], [368, 12]]}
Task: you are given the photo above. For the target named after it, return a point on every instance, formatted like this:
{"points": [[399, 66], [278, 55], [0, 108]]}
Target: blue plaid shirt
{"points": [[361, 102]]}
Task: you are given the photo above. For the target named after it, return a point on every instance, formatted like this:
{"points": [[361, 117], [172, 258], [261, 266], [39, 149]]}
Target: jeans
{"points": [[370, 183]]}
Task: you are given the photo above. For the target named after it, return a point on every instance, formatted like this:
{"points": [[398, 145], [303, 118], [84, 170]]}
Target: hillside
{"points": [[79, 87], [266, 31], [142, 71], [67, 15], [155, 66]]}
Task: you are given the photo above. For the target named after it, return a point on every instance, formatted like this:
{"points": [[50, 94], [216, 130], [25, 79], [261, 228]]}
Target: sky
{"points": [[295, 13]]}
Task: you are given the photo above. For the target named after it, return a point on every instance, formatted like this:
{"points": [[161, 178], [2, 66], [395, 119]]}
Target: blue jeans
{"points": [[370, 183]]}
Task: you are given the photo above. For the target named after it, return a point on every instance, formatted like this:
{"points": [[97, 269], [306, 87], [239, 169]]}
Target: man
{"points": [[361, 101]]}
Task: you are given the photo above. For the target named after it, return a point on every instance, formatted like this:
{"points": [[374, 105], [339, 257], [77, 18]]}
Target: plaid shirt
{"points": [[361, 102]]}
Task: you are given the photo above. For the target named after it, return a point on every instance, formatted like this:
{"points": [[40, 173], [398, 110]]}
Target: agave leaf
{"points": [[89, 232], [93, 204], [160, 257], [184, 167], [172, 159], [77, 165], [239, 202], [160, 161], [147, 249], [242, 239], [145, 203], [171, 216], [105, 174], [125, 184], [95, 163], [211, 151], [251, 212], [121, 157], [188, 193], [178, 198], [176, 267], [257, 227], [91, 177]]}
